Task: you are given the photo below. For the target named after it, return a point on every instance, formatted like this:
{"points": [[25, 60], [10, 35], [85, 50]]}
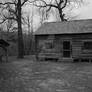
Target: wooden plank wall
{"points": [[76, 48], [76, 40]]}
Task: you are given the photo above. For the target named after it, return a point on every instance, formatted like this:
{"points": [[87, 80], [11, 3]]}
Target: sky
{"points": [[85, 11]]}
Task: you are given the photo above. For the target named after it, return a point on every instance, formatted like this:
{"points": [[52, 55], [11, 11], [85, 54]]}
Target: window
{"points": [[87, 45], [66, 45], [66, 49]]}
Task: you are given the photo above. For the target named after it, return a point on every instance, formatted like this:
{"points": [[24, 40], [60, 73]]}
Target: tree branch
{"points": [[64, 4], [60, 2], [8, 3], [2, 21], [10, 18], [56, 2], [51, 5], [7, 18], [24, 2]]}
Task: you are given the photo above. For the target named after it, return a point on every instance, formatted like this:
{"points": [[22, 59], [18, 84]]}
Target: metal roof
{"points": [[66, 27]]}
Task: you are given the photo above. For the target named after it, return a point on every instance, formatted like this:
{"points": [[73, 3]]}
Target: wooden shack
{"points": [[64, 41]]}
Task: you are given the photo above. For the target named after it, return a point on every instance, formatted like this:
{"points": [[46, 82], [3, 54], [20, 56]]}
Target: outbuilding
{"points": [[64, 41], [3, 49]]}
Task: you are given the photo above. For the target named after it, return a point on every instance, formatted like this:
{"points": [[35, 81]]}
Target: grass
{"points": [[28, 75]]}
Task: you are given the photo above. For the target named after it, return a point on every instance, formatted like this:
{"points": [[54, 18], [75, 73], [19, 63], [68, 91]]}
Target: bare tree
{"points": [[29, 23], [43, 14], [60, 5], [15, 9]]}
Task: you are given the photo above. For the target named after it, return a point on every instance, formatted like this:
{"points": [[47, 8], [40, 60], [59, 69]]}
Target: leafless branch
{"points": [[65, 3], [9, 17], [1, 22], [12, 3], [56, 2], [24, 2], [46, 5]]}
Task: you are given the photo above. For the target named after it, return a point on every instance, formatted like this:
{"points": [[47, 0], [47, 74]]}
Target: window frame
{"points": [[83, 47], [67, 50]]}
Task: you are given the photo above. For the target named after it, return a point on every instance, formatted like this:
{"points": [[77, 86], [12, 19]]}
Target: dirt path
{"points": [[29, 76]]}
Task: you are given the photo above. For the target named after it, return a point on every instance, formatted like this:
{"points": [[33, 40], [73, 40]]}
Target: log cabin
{"points": [[64, 41]]}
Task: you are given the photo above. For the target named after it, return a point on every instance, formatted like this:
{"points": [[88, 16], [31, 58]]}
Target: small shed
{"points": [[64, 41], [3, 49]]}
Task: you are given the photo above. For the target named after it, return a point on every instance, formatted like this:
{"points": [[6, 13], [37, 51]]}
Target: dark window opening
{"points": [[66, 49], [66, 53], [87, 45], [66, 45]]}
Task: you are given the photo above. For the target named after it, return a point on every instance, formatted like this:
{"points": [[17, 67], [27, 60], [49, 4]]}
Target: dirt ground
{"points": [[28, 75]]}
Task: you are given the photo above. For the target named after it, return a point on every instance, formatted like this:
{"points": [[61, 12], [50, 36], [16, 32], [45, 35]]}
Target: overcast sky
{"points": [[85, 12]]}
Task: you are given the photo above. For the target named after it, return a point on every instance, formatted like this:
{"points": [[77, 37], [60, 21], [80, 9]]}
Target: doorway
{"points": [[67, 50]]}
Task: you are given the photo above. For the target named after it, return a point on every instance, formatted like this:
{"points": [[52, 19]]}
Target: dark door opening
{"points": [[66, 49]]}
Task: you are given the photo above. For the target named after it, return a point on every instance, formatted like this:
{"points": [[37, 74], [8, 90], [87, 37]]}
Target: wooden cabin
{"points": [[64, 41]]}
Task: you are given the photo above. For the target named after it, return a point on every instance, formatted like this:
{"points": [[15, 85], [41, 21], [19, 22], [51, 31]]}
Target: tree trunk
{"points": [[61, 15], [20, 35]]}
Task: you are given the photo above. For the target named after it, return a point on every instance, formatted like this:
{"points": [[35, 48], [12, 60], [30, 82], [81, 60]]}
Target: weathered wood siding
{"points": [[76, 43], [76, 47]]}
